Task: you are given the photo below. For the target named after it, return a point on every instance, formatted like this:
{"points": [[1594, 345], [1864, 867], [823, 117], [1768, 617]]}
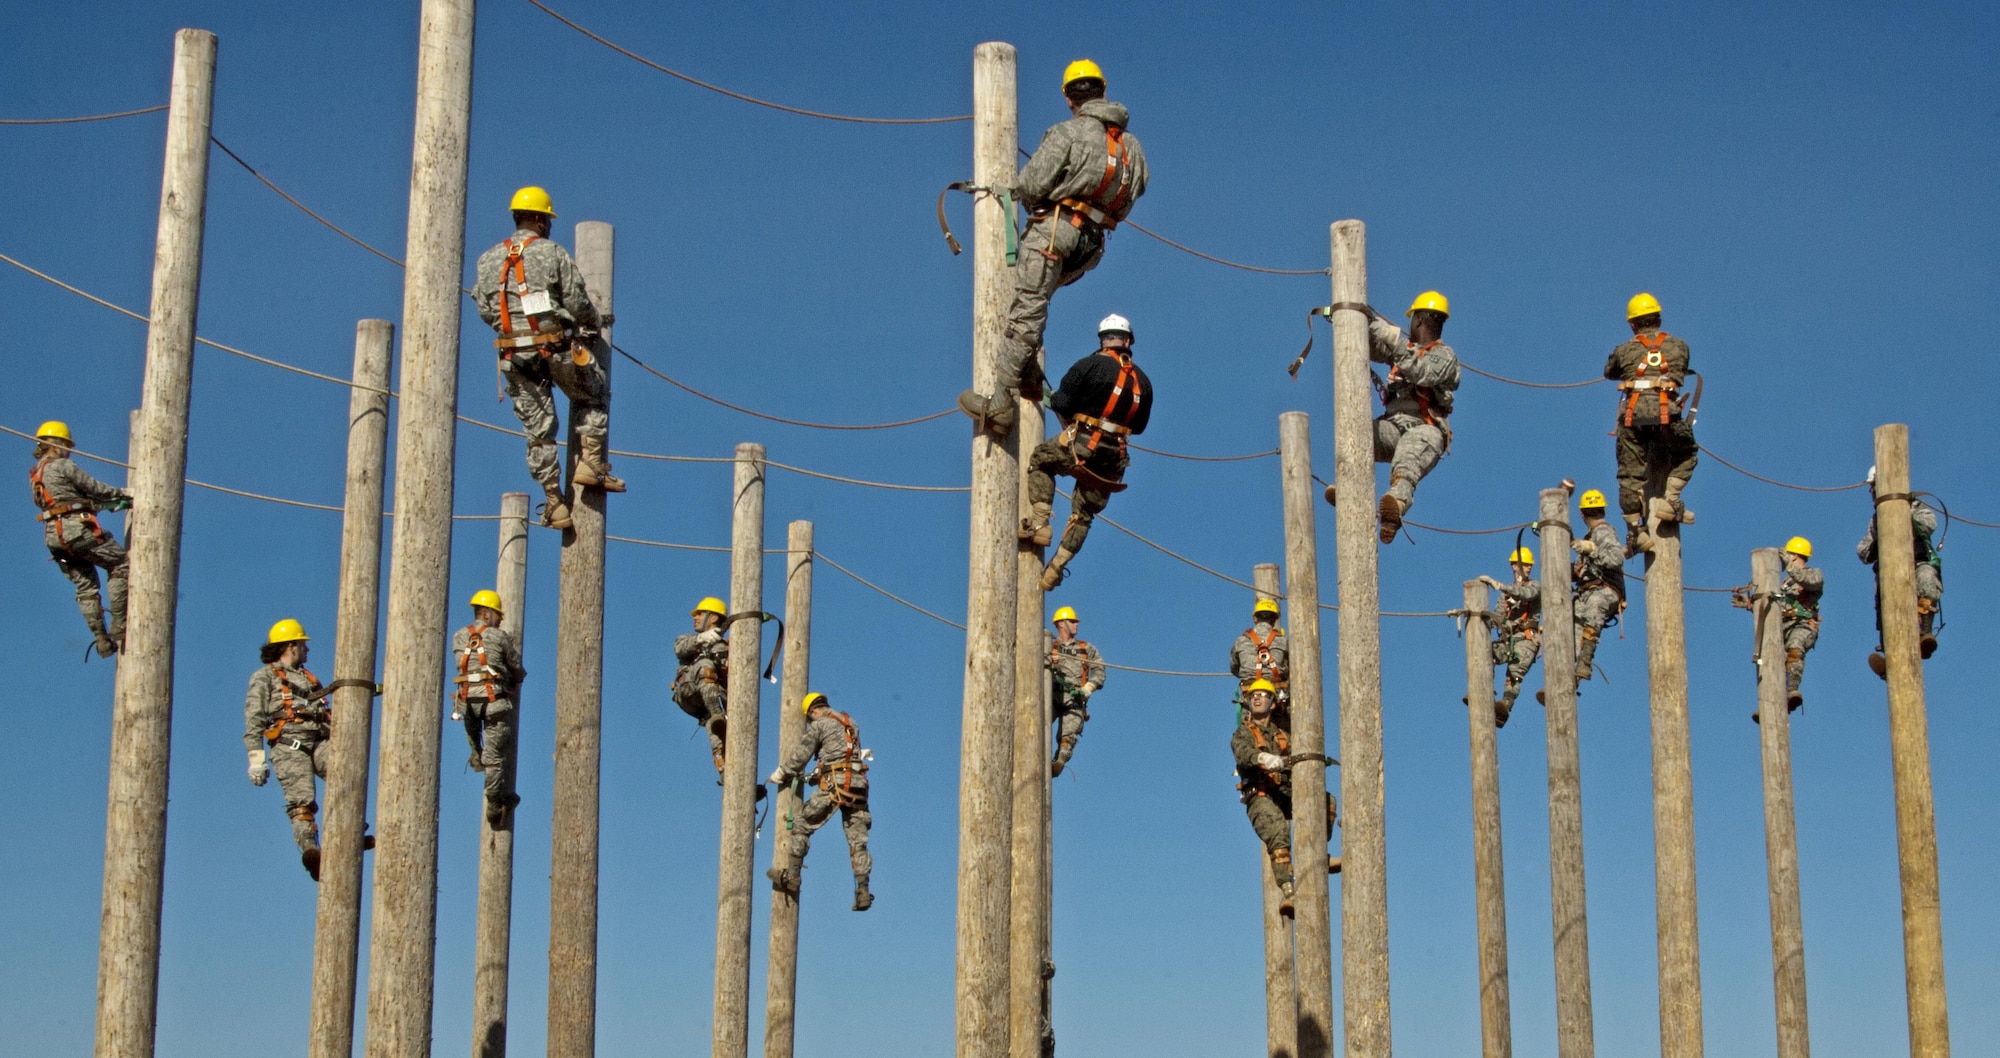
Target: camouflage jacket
{"points": [[1923, 526], [1260, 652], [63, 483], [834, 743], [1634, 363], [1605, 565], [264, 706], [1260, 736], [694, 656], [1074, 663], [486, 663], [1072, 159], [1521, 608], [549, 270], [1798, 596], [1420, 377]]}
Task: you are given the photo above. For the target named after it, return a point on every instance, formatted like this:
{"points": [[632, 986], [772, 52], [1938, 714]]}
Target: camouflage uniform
{"points": [[1655, 444], [1930, 567], [1414, 430], [489, 684], [69, 499], [298, 736], [1517, 640], [1061, 243], [1073, 664], [1267, 792], [1260, 652], [1798, 603], [1599, 575], [701, 685], [1105, 399], [530, 368], [842, 778]]}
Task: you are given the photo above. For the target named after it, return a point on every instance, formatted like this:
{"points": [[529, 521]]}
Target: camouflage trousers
{"points": [[1930, 599], [1596, 605], [531, 381], [295, 761], [1800, 637], [1271, 819], [1518, 653], [1053, 457], [1411, 447], [489, 726], [705, 700], [1051, 255], [79, 550], [854, 820], [1649, 454]]}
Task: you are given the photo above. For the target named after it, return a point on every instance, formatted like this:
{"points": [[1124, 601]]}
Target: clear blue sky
{"points": [[1808, 189]]}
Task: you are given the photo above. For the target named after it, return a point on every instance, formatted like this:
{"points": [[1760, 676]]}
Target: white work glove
{"points": [[1270, 762], [777, 778], [259, 769], [710, 637], [1582, 547], [1089, 688]]}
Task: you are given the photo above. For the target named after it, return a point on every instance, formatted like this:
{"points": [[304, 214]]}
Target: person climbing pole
{"points": [[531, 293], [1414, 430], [1930, 576], [286, 710], [1080, 184], [1798, 605], [489, 675], [1517, 636], [1655, 441], [1598, 573], [842, 777], [701, 685], [69, 499], [1260, 653], [1264, 781], [1103, 400], [1078, 670]]}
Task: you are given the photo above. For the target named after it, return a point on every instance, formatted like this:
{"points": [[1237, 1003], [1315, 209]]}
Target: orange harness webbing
{"points": [[1264, 787], [475, 643], [1104, 423], [1117, 159], [518, 286], [1082, 656], [53, 511], [1267, 669], [1513, 622], [847, 767], [1665, 385], [288, 710]]}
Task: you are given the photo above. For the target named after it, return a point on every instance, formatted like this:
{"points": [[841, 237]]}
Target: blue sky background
{"points": [[1807, 188]]}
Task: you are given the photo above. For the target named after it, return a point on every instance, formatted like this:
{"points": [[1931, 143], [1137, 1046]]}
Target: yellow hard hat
{"points": [[1642, 304], [489, 599], [1591, 498], [1269, 606], [1799, 546], [532, 200], [1082, 69], [1064, 614], [1259, 684], [52, 428], [1432, 300], [1522, 556], [711, 605], [815, 698], [287, 631]]}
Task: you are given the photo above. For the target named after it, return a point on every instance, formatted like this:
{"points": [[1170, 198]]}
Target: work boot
{"points": [[1878, 664], [1285, 899], [555, 511], [497, 812], [1793, 700], [593, 465], [1330, 500], [1503, 707], [994, 414], [1926, 646], [106, 646], [784, 879], [863, 899], [1586, 654], [1681, 513], [1035, 528], [1391, 512], [1333, 865], [1637, 539], [310, 858], [1064, 749], [1542, 697], [1054, 573]]}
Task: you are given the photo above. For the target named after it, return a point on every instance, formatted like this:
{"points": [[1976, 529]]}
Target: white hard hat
{"points": [[1114, 324]]}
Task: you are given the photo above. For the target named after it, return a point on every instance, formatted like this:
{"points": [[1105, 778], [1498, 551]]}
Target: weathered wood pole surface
{"points": [[1489, 875], [1673, 801], [135, 817], [1781, 836], [1909, 745], [337, 929], [494, 928], [1281, 984], [1313, 924], [1364, 886], [1575, 1032], [1028, 917], [986, 747], [579, 737], [781, 978], [403, 925], [739, 774]]}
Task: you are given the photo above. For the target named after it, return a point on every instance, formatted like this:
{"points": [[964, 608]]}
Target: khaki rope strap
{"points": [[1301, 758], [1327, 311], [1884, 497]]}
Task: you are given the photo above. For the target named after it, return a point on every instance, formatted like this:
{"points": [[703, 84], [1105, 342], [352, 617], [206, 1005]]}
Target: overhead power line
{"points": [[80, 120]]}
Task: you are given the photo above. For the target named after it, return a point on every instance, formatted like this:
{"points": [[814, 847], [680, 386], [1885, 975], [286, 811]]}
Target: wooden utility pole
{"points": [[1489, 876], [572, 1018], [986, 747], [1909, 745], [781, 979], [1575, 1035], [739, 773], [1028, 917], [1673, 800], [1364, 887], [1313, 908], [1781, 836], [403, 935], [494, 933], [135, 818], [1281, 983], [337, 931]]}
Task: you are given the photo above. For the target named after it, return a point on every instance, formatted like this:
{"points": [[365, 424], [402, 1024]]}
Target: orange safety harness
{"points": [[518, 286], [1265, 784], [470, 675], [53, 511], [289, 711], [1665, 385], [1081, 654], [845, 769], [1266, 668], [1516, 622], [1117, 173], [1103, 424]]}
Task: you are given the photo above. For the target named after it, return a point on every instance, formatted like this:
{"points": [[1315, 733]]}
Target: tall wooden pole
{"points": [[135, 818], [337, 931], [739, 774], [495, 929], [1781, 837], [1909, 745], [1575, 1035], [1314, 910], [1673, 801], [986, 747], [1364, 887], [1281, 983], [572, 1018], [1028, 920], [403, 936], [781, 979], [1489, 876]]}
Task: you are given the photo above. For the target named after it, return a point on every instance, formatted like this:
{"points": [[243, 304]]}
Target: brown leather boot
{"points": [[555, 510], [593, 465], [1035, 528], [1054, 573], [1391, 512]]}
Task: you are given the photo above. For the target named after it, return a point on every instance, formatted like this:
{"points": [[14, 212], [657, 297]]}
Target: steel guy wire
{"points": [[80, 120]]}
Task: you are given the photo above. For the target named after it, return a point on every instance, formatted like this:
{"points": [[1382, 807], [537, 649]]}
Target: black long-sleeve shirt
{"points": [[1088, 385]]}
